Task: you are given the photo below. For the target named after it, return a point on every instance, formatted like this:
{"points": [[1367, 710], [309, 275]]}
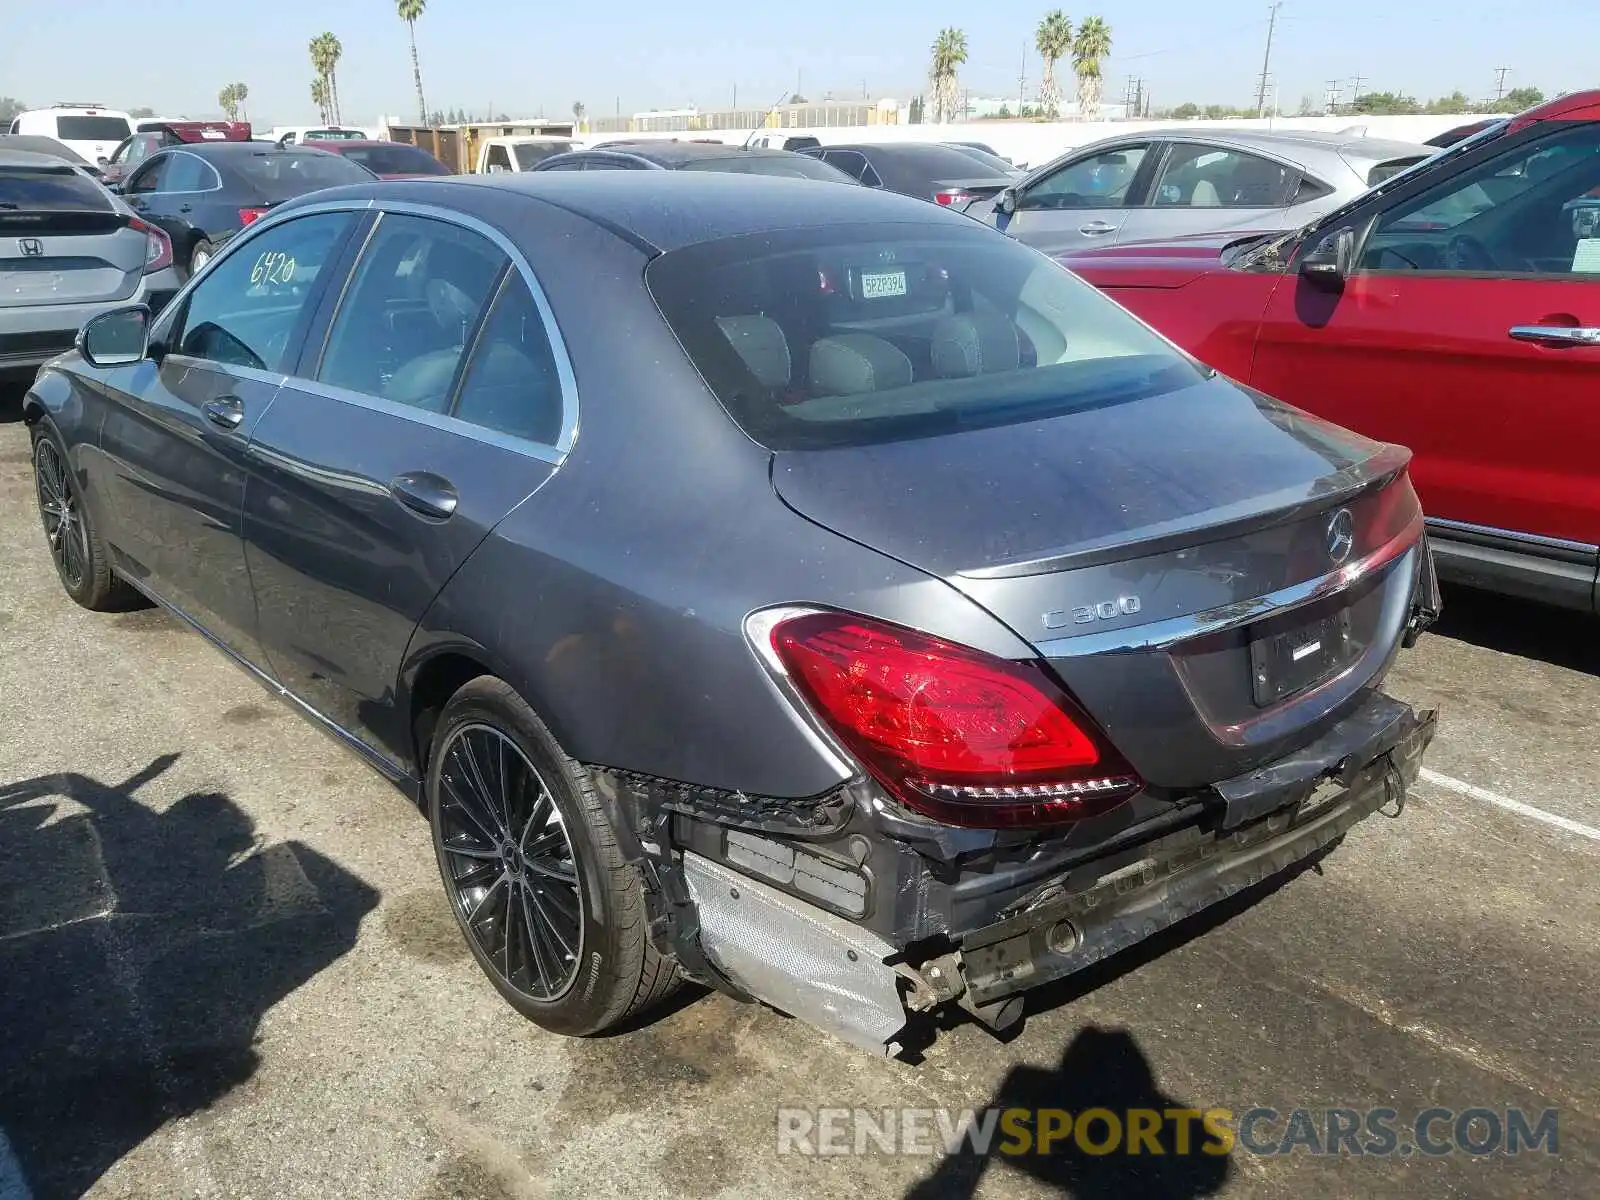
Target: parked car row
{"points": [[1453, 309]]}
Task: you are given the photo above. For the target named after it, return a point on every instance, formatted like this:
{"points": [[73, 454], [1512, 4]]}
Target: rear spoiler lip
{"points": [[1282, 508]]}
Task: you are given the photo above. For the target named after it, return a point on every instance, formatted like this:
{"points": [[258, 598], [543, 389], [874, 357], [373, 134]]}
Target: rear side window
{"points": [[284, 174], [512, 384], [187, 173], [49, 189], [92, 129], [410, 311], [1388, 170], [1197, 176], [846, 335]]}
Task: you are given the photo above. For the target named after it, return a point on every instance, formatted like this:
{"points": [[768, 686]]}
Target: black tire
{"points": [[199, 253], [614, 971], [83, 565]]}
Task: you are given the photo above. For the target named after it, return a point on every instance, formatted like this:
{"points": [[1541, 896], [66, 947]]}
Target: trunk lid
{"points": [[1154, 551], [68, 257]]}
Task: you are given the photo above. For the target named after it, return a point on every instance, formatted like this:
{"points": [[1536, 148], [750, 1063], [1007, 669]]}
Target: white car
{"points": [[91, 130]]}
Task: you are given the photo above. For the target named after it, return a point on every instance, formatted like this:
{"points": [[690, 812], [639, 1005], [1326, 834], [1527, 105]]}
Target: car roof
{"points": [[675, 154], [666, 210], [339, 144], [238, 149], [37, 144], [31, 158]]}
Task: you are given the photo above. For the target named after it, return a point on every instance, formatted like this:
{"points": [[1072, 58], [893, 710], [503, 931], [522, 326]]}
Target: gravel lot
{"points": [[227, 968]]}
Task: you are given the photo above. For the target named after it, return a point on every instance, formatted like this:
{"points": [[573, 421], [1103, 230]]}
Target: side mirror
{"points": [[1006, 202], [1328, 264], [103, 160], [116, 338]]}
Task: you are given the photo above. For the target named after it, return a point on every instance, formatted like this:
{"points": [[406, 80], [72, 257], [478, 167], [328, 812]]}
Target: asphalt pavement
{"points": [[227, 969]]}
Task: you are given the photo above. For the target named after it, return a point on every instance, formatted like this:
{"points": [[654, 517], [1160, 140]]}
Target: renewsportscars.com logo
{"points": [[1318, 1132]]}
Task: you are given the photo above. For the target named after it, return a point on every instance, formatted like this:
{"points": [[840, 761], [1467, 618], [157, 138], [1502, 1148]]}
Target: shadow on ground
{"points": [[1100, 1069], [138, 952], [1550, 635]]}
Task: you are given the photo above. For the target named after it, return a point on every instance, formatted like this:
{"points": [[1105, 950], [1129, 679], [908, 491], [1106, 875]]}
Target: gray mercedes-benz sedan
{"points": [[809, 592]]}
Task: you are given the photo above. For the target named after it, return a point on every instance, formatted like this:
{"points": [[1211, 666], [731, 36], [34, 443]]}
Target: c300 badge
{"points": [[1088, 614]]}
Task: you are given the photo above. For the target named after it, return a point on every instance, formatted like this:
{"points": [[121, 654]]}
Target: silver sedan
{"points": [[1161, 184]]}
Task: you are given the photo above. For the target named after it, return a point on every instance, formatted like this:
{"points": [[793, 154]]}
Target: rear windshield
{"points": [[50, 189], [847, 335], [283, 174], [92, 129], [333, 135], [941, 162], [744, 163], [531, 154], [396, 160]]}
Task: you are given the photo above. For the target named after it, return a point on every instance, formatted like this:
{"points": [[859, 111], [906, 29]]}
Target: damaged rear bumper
{"points": [[849, 980]]}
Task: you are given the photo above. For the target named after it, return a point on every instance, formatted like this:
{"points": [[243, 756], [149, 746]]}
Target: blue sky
{"points": [[526, 58]]}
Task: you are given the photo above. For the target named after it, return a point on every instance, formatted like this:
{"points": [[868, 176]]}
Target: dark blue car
{"points": [[204, 192]]}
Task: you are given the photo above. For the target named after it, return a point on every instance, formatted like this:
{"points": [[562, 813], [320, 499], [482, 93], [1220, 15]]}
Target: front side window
{"points": [[1198, 176], [1102, 180], [148, 177], [244, 312], [852, 334], [186, 173], [410, 311], [1528, 211], [512, 384]]}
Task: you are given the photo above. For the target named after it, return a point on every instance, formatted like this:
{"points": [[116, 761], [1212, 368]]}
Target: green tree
{"points": [[578, 110], [1089, 49], [1453, 104], [949, 53], [1385, 104], [319, 97], [914, 111], [10, 109], [1518, 99], [1185, 112], [138, 114], [1053, 39], [228, 101], [326, 51], [409, 11]]}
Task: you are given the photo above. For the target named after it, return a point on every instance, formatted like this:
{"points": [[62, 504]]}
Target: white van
{"points": [[90, 129]]}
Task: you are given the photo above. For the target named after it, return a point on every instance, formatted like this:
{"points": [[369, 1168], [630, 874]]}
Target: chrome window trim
{"points": [[443, 422], [1512, 535], [543, 451], [253, 374], [1164, 634]]}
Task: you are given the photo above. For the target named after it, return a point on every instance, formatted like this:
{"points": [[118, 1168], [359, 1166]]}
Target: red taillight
{"points": [[249, 215], [957, 734], [157, 246], [956, 196]]}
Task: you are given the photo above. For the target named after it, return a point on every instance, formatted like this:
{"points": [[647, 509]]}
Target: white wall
{"points": [[1036, 142]]}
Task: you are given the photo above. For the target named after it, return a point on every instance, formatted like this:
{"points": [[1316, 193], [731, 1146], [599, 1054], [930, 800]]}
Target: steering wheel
{"points": [[1464, 252]]}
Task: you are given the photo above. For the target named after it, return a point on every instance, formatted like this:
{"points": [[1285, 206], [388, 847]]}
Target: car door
{"points": [[1084, 200], [1469, 331], [173, 446], [430, 410], [1201, 187]]}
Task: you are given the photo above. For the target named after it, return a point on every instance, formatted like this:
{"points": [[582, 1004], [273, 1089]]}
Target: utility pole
{"points": [[1356, 83], [1331, 98], [1266, 59], [1500, 74]]}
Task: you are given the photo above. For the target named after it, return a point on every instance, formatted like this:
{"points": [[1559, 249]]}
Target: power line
{"points": [[1266, 59], [1500, 74]]}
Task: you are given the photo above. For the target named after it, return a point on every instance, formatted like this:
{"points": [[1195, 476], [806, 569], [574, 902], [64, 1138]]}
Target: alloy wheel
{"points": [[58, 507], [509, 862]]}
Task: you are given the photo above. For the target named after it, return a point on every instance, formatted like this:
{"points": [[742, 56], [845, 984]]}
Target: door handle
{"points": [[227, 411], [1557, 335], [425, 493], [1095, 228]]}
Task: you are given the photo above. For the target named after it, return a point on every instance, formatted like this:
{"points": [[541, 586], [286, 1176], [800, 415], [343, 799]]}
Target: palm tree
{"points": [[1053, 39], [1092, 44], [325, 54], [240, 94], [949, 52], [578, 110], [319, 97], [230, 105], [409, 11]]}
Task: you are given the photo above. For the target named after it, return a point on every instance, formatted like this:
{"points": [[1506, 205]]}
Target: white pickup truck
{"points": [[502, 154]]}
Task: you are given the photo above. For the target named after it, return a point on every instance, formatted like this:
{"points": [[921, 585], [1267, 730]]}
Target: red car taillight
{"points": [[249, 215], [157, 246], [955, 196], [952, 732]]}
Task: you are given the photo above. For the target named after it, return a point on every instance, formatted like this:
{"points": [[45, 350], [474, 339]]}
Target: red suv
{"points": [[1454, 309]]}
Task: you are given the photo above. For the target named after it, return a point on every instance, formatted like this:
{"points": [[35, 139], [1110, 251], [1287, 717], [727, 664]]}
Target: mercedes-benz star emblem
{"points": [[30, 247], [1341, 535]]}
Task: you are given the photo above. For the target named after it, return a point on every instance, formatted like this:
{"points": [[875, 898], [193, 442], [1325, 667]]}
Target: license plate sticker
{"points": [[875, 285], [1285, 663]]}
